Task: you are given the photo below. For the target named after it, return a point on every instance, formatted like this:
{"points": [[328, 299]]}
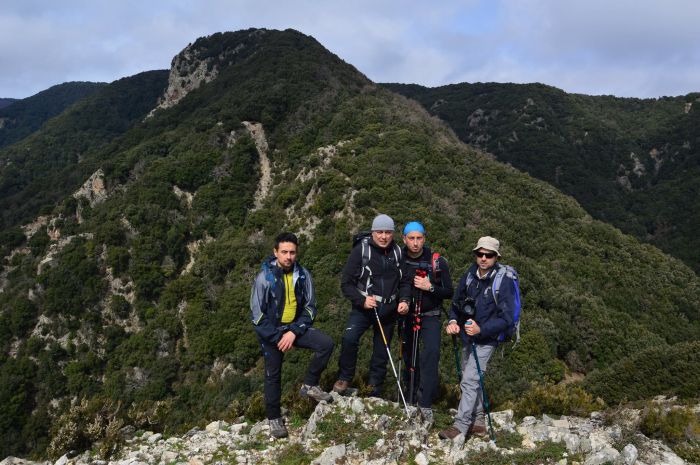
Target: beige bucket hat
{"points": [[488, 243]]}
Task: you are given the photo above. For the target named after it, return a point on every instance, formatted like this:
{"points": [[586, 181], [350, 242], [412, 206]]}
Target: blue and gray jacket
{"points": [[267, 301], [493, 318]]}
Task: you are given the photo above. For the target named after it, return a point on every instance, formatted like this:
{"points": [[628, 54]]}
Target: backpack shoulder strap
{"points": [[302, 281], [398, 256], [503, 270], [435, 261], [366, 256]]}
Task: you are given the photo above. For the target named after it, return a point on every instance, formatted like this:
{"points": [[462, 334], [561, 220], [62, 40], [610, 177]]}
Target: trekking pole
{"points": [[484, 396], [416, 334], [402, 322], [456, 349], [458, 362], [388, 351]]}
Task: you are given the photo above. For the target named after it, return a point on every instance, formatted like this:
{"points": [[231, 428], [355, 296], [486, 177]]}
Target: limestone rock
{"points": [[330, 456], [605, 455], [629, 455], [372, 431]]}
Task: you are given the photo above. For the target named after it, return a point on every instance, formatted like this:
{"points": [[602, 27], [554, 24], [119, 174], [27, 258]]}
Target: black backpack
{"points": [[363, 238]]}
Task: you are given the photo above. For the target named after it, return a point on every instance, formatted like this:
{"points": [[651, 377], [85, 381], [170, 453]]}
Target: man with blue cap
{"points": [[428, 283]]}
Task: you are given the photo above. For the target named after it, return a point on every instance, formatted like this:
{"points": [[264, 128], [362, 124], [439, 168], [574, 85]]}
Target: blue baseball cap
{"points": [[413, 226]]}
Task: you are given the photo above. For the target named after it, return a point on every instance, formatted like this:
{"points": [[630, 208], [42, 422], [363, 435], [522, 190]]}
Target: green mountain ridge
{"points": [[69, 148], [140, 311], [634, 163], [6, 102], [21, 117]]}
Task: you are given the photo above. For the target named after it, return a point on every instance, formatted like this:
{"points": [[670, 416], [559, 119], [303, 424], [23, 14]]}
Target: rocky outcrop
{"points": [[55, 248], [352, 430], [185, 196], [299, 217], [187, 72], [32, 228], [257, 132], [196, 65], [192, 249], [93, 190], [6, 265]]}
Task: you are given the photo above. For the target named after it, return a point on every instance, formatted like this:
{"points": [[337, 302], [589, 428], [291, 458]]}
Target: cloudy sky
{"points": [[628, 48]]}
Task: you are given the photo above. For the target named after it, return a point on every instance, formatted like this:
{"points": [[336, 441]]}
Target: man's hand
{"points": [[370, 302], [452, 328], [472, 328], [287, 341], [403, 308], [421, 283]]}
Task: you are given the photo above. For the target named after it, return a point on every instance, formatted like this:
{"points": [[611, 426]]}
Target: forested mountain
{"points": [[25, 116], [126, 303], [634, 163], [40, 170], [6, 102]]}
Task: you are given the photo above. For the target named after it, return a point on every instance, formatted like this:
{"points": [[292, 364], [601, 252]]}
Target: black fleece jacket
{"points": [[442, 285], [384, 280]]}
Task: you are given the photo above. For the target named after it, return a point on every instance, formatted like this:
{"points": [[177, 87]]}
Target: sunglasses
{"points": [[485, 254]]}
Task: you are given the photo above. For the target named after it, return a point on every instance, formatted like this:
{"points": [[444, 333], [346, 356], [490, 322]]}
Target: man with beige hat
{"points": [[480, 317]]}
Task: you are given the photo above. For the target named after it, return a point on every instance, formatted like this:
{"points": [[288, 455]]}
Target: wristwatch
{"points": [[432, 288]]}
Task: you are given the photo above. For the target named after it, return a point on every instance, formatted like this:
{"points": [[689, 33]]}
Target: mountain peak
{"points": [[201, 62]]}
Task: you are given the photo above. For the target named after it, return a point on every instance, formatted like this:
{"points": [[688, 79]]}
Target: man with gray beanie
{"points": [[370, 281], [482, 311]]}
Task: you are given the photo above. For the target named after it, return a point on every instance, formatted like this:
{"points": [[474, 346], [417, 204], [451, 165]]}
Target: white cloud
{"points": [[628, 48]]}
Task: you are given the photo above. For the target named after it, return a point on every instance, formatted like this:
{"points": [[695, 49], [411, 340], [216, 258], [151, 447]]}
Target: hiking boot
{"points": [[341, 386], [315, 393], [374, 391], [427, 414], [277, 428], [477, 430], [449, 433]]}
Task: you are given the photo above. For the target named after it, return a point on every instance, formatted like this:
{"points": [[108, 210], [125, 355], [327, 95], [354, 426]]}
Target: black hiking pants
{"points": [[426, 375], [359, 322], [312, 339]]}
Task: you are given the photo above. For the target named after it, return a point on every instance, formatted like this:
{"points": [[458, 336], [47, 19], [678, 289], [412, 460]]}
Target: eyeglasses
{"points": [[485, 254]]}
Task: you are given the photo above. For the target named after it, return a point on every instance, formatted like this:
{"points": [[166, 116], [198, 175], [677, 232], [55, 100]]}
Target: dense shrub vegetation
{"points": [[630, 162], [143, 317], [27, 115], [68, 149]]}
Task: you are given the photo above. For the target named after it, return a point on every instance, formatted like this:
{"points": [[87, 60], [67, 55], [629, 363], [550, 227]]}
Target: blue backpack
{"points": [[512, 332]]}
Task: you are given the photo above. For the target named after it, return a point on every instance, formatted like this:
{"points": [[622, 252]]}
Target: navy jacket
{"points": [[267, 301], [492, 319]]}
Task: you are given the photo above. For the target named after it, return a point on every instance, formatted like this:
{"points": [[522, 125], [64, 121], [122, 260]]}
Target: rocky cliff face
{"points": [[196, 65], [352, 430]]}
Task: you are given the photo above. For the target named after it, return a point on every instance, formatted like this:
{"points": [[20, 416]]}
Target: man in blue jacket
{"points": [[283, 308], [477, 317]]}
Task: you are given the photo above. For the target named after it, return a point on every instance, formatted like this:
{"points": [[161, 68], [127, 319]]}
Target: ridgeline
{"points": [[633, 163]]}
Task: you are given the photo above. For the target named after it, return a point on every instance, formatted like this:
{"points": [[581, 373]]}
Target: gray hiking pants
{"points": [[471, 405]]}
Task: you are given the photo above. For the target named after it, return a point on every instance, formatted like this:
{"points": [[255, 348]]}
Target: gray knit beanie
{"points": [[382, 223]]}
